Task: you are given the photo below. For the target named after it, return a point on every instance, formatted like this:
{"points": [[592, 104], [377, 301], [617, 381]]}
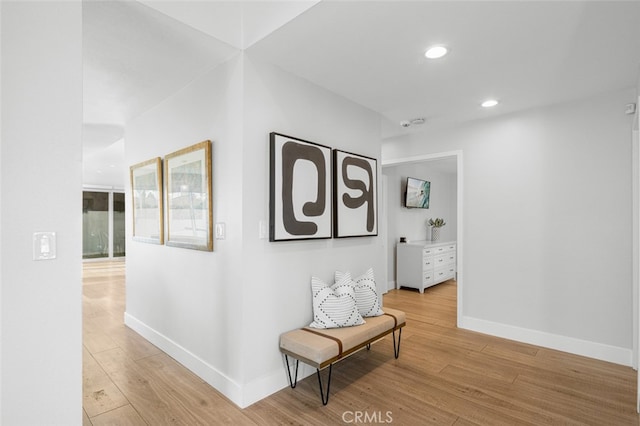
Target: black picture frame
{"points": [[417, 193], [300, 199], [355, 190]]}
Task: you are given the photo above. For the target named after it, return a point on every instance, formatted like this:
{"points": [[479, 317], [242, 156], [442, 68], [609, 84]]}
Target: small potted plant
{"points": [[435, 225]]}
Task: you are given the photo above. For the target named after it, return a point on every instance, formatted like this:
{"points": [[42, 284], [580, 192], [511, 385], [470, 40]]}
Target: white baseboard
{"points": [[251, 392], [391, 285], [198, 366], [242, 396], [272, 383], [617, 355]]}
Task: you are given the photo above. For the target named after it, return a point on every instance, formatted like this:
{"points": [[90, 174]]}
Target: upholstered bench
{"points": [[322, 348]]}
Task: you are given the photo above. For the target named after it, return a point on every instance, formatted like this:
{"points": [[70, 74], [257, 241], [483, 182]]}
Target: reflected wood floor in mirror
{"points": [[444, 376]]}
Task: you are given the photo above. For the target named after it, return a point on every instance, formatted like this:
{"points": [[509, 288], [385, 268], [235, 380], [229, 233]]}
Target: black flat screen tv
{"points": [[417, 194]]}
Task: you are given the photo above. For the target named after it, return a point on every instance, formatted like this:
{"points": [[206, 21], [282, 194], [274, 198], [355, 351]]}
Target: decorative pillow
{"points": [[367, 298], [334, 306]]}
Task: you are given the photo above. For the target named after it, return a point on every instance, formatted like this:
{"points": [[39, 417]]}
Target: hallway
{"points": [[127, 380], [444, 375]]}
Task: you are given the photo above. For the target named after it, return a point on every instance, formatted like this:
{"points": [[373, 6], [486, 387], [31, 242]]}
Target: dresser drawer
{"points": [[427, 263], [446, 273], [444, 259], [428, 252], [427, 278], [444, 249]]}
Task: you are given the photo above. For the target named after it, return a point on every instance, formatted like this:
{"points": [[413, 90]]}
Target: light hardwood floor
{"points": [[444, 376]]}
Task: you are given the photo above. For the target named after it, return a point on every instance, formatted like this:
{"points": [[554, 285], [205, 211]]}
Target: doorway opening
{"points": [[449, 163], [103, 225]]}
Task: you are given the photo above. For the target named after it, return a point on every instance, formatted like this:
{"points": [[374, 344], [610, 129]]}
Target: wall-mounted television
{"points": [[417, 193]]}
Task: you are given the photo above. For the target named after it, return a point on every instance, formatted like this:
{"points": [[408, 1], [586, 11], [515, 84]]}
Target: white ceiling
{"points": [[238, 23], [525, 54]]}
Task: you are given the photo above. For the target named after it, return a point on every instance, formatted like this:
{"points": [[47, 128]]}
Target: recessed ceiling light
{"points": [[489, 103], [436, 52]]}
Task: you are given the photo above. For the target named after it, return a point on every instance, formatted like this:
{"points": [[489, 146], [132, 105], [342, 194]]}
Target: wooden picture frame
{"points": [[147, 201], [188, 190], [355, 191], [300, 189]]}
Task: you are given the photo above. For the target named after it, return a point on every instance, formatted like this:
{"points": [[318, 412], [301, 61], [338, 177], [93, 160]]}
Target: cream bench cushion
{"points": [[320, 348]]}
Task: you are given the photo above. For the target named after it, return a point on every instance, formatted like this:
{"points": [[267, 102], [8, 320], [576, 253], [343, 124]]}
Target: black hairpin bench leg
{"points": [[292, 382], [396, 348], [325, 398]]}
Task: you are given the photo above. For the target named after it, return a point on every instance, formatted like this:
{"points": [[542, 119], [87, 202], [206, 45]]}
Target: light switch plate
{"points": [[44, 245], [262, 229], [221, 231]]}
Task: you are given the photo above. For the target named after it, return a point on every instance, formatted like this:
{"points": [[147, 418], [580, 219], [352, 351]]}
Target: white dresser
{"points": [[421, 264]]}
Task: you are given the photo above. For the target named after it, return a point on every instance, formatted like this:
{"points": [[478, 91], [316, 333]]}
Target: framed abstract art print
{"points": [[300, 189], [355, 195]]}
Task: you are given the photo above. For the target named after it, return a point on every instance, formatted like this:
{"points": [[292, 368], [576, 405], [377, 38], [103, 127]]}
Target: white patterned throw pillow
{"points": [[334, 306], [367, 298]]}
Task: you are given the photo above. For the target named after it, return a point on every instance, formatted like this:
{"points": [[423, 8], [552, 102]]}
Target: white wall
{"points": [[547, 223], [412, 223], [189, 302], [1, 207], [40, 167], [215, 311], [277, 284]]}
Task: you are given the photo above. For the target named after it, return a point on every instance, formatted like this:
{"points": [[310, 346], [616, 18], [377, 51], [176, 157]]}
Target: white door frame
{"points": [[635, 186], [459, 214]]}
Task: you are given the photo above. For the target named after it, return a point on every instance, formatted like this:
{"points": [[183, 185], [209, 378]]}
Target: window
{"points": [[103, 229], [118, 225]]}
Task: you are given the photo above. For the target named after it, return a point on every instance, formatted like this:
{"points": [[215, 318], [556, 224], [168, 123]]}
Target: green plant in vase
{"points": [[435, 225]]}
